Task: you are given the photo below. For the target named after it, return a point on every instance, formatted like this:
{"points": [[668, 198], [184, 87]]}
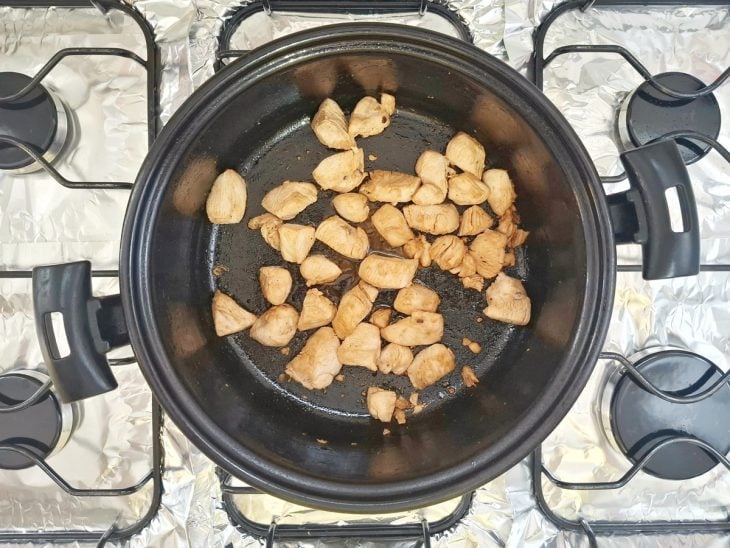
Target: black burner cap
{"points": [[641, 420], [32, 118], [651, 114], [36, 429]]}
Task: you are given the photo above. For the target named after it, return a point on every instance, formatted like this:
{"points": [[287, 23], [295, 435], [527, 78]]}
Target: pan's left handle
{"points": [[93, 326]]}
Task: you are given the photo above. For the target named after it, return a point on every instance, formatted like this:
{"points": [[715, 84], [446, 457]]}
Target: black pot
{"points": [[253, 116]]}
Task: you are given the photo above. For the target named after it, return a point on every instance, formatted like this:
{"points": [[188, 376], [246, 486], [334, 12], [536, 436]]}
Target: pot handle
{"points": [[93, 325], [641, 214]]}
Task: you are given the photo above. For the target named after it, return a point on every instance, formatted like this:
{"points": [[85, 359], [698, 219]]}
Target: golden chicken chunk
{"points": [[344, 238], [465, 189], [318, 269], [395, 358], [418, 248], [295, 241], [387, 272], [276, 327], [341, 172], [474, 221], [269, 225], [228, 316], [392, 226], [354, 306], [473, 282], [390, 186], [289, 199], [488, 252], [417, 329], [467, 267], [381, 403], [448, 251], [330, 126], [226, 203], [369, 117], [501, 191], [275, 283], [381, 317], [431, 168], [469, 377], [316, 364], [431, 364], [509, 259], [428, 195], [466, 153], [507, 301], [351, 206], [317, 311], [361, 347], [433, 219], [387, 101], [416, 297]]}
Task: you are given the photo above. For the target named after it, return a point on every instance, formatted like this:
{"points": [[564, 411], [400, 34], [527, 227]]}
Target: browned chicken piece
{"points": [[351, 206], [474, 221], [226, 203], [381, 317], [508, 222], [507, 301], [387, 272], [418, 248], [289, 199], [402, 403], [431, 168], [488, 252], [428, 195], [475, 347], [395, 358], [295, 241], [433, 219], [431, 364], [341, 172], [276, 327], [417, 329], [466, 153], [517, 238], [467, 267], [275, 283], [354, 306], [466, 189], [413, 398], [400, 416], [228, 316], [448, 251], [368, 118], [392, 226], [416, 297], [318, 269], [469, 377], [387, 101], [509, 259], [317, 310], [501, 191], [390, 186], [361, 347], [269, 225], [344, 238], [473, 282], [330, 126], [316, 364], [381, 403]]}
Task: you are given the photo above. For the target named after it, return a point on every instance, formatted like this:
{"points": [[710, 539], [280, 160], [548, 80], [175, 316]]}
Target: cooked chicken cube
{"points": [[433, 219], [429, 195], [361, 347], [418, 248], [400, 416], [269, 225], [317, 311], [417, 329], [381, 317], [386, 272], [344, 238], [474, 221], [431, 168], [392, 226], [354, 306], [352, 206], [330, 126], [395, 358], [448, 251], [387, 101], [316, 364], [517, 238], [318, 269], [226, 203], [275, 327], [466, 189], [341, 172], [473, 282], [228, 316], [289, 199], [381, 403], [295, 241], [431, 364], [488, 252], [275, 283], [390, 186], [416, 297], [467, 267], [507, 301], [466, 153], [508, 222], [501, 191], [469, 377], [509, 259], [474, 346], [368, 117]]}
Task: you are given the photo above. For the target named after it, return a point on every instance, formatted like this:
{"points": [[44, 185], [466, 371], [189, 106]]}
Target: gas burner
{"points": [[637, 420], [38, 119], [647, 114], [42, 428]]}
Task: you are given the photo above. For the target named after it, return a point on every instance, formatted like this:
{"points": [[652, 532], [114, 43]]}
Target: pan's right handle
{"points": [[93, 325]]}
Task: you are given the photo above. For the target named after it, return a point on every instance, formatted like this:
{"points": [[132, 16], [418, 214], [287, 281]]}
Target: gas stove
{"points": [[641, 458]]}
